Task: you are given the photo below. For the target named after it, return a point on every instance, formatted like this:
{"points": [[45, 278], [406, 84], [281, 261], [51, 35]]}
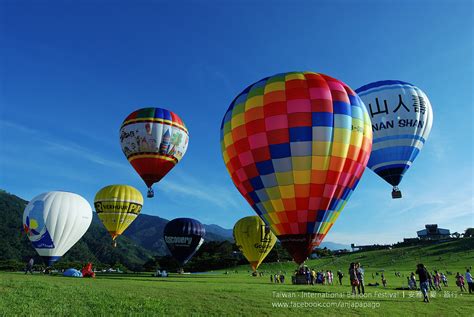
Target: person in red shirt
{"points": [[87, 270]]}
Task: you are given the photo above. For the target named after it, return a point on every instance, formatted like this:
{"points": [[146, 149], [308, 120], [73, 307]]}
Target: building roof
{"points": [[439, 231]]}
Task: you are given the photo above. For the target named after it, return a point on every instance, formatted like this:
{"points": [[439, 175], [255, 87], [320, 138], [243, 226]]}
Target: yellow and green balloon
{"points": [[117, 207], [254, 239]]}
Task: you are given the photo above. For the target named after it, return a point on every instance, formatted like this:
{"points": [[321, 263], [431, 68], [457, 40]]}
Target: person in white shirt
{"points": [[469, 281], [410, 283], [444, 279]]}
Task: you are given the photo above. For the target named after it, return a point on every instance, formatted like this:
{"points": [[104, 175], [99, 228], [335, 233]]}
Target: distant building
{"points": [[432, 232]]}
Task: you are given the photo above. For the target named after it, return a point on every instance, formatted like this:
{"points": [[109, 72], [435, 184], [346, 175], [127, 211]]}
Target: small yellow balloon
{"points": [[254, 239], [33, 224], [117, 207]]}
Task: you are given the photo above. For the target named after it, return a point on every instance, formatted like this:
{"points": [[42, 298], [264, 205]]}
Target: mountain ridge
{"points": [[143, 237], [141, 242]]}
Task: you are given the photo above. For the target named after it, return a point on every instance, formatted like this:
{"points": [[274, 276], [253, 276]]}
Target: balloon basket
{"points": [[150, 193], [396, 193]]}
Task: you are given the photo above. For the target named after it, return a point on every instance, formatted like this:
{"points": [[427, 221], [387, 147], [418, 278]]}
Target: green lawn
{"points": [[204, 295], [239, 293]]}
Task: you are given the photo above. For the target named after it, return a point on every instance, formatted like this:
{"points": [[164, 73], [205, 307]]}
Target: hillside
{"points": [[142, 240], [95, 246], [147, 231], [448, 256]]}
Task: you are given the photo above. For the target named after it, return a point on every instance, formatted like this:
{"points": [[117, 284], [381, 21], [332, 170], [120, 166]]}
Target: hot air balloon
{"points": [[117, 207], [183, 237], [254, 239], [154, 140], [295, 145], [55, 221], [401, 117]]}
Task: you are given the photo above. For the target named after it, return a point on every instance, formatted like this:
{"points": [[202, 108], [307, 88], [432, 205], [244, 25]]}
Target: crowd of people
{"points": [[427, 281], [277, 278], [432, 281], [311, 276]]}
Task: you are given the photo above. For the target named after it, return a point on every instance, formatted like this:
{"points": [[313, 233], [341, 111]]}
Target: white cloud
{"points": [[55, 145], [450, 209], [187, 185], [80, 151], [363, 238]]}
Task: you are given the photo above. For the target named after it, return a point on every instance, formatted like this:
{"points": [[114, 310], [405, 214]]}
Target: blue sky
{"points": [[72, 71]]}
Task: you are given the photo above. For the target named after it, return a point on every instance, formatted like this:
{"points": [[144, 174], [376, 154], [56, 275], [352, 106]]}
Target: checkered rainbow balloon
{"points": [[296, 145]]}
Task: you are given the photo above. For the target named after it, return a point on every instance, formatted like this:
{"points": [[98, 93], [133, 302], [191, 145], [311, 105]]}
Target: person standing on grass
{"points": [[469, 281], [353, 277], [308, 276], [360, 277], [413, 279], [340, 275], [460, 281], [271, 278], [384, 280], [444, 279], [282, 278], [29, 266], [437, 280], [430, 282], [424, 283]]}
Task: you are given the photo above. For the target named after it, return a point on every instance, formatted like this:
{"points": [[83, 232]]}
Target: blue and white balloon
{"points": [[55, 221], [402, 117]]}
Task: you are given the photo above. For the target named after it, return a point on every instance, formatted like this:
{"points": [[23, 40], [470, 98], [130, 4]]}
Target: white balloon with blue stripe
{"points": [[55, 221], [402, 117]]}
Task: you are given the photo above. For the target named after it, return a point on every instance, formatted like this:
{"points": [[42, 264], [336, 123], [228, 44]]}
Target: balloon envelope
{"points": [[254, 239], [296, 145], [55, 221], [401, 117], [72, 273], [154, 140], [183, 237], [117, 207]]}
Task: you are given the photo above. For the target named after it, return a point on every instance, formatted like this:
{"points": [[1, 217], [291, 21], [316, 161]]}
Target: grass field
{"points": [[217, 293]]}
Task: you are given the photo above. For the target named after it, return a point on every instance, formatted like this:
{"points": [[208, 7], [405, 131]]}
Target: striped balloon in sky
{"points": [[401, 117], [296, 145], [154, 140]]}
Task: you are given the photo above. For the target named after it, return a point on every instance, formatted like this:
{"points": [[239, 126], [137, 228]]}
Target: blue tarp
{"points": [[72, 273]]}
